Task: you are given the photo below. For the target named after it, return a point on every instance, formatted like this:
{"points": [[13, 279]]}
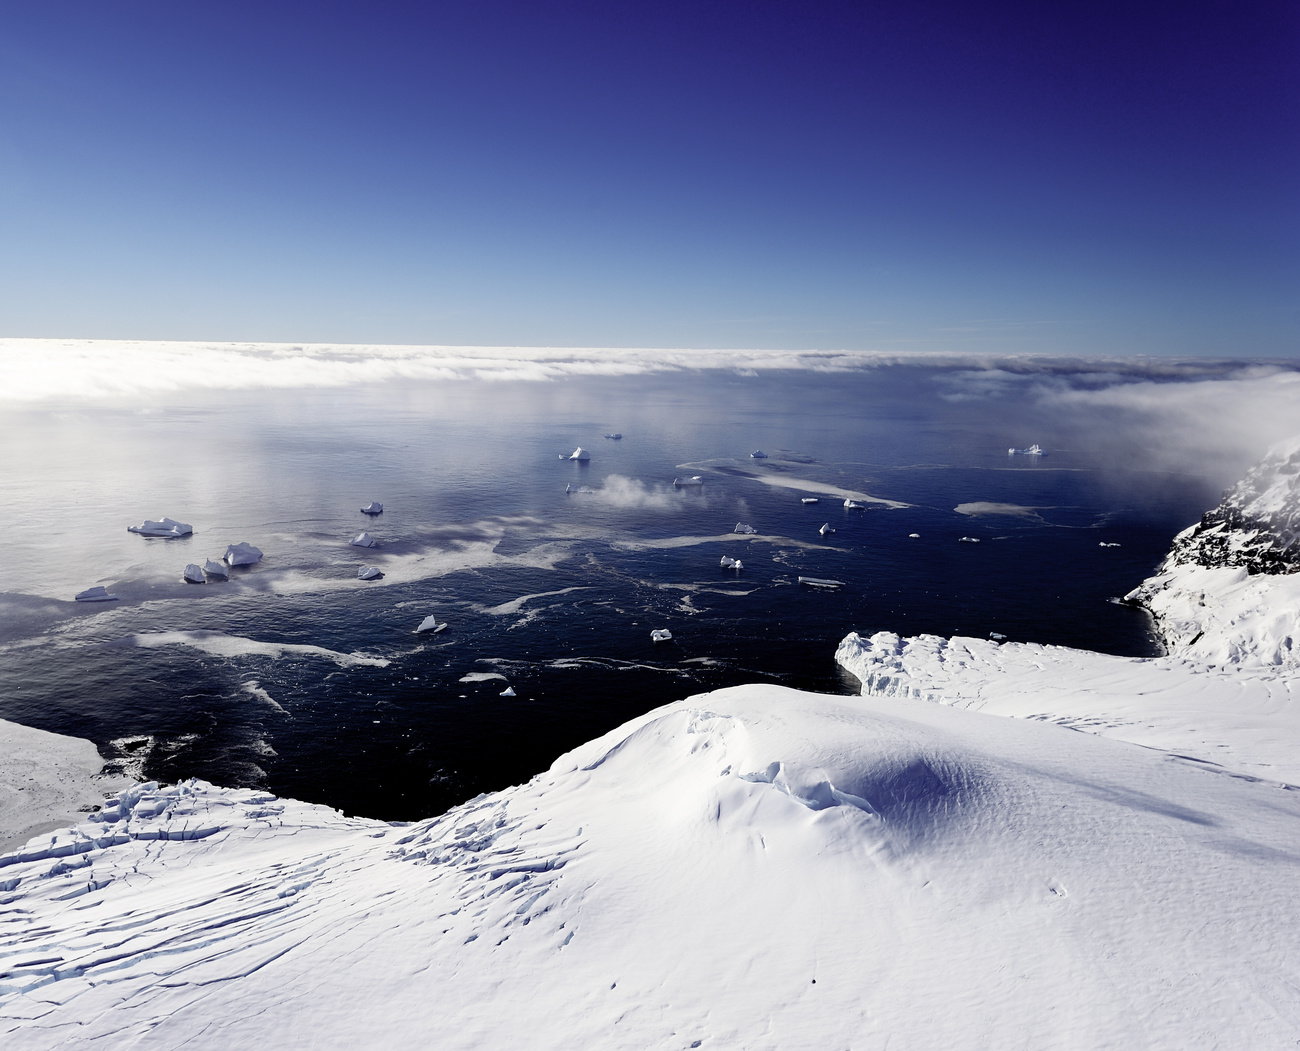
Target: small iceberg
{"points": [[826, 529], [582, 489], [731, 563], [95, 594], [661, 635], [168, 528], [430, 626], [580, 454], [694, 481], [821, 582], [996, 636], [748, 530], [1105, 544], [615, 437], [1033, 450], [968, 540], [808, 500], [370, 573], [363, 540], [243, 555], [216, 570], [914, 536], [509, 691], [373, 508], [194, 574], [758, 454], [850, 503]]}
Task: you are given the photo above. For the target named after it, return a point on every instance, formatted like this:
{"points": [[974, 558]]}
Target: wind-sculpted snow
{"points": [[755, 867]]}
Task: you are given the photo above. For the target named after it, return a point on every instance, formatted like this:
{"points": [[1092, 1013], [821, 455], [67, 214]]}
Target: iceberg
{"points": [[216, 570], [194, 574], [851, 504], [373, 508], [968, 540], [731, 563], [615, 437], [580, 454], [1033, 450], [243, 554], [581, 489], [167, 528], [692, 482], [95, 594], [821, 582], [362, 540], [914, 536], [808, 500], [1110, 544], [746, 529], [430, 625], [509, 691], [661, 635], [826, 529], [369, 573], [758, 454]]}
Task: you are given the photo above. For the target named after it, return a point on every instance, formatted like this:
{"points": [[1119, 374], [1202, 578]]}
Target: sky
{"points": [[1100, 178]]}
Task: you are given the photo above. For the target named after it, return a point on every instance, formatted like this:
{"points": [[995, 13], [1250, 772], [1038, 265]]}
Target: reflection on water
{"points": [[297, 676]]}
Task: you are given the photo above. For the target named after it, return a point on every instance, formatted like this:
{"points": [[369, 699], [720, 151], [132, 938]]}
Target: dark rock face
{"points": [[1256, 525]]}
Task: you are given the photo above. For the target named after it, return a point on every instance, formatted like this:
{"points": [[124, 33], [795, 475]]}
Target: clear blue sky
{"points": [[1073, 177]]}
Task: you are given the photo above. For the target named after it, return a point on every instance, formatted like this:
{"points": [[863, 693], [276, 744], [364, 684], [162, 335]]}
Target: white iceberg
{"points": [[758, 454], [731, 563], [167, 528], [692, 482], [370, 573], [850, 503], [821, 582], [243, 554], [661, 635], [95, 594], [808, 500], [582, 489], [194, 574], [580, 454], [430, 625], [914, 536], [1110, 544], [373, 508], [746, 529], [509, 691], [362, 540], [1033, 450], [826, 529], [968, 540], [615, 437], [216, 570]]}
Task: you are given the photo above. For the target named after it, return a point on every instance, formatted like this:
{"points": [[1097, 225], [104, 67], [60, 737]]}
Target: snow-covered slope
{"points": [[755, 868]]}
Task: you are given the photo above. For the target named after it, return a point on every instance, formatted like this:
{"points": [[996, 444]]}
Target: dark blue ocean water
{"points": [[554, 594]]}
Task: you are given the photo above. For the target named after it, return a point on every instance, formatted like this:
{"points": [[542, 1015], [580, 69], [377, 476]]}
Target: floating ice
{"points": [[821, 582], [373, 508], [693, 481], [758, 454], [996, 635], [216, 570], [580, 454], [850, 503], [808, 500], [1033, 450], [194, 574], [1105, 544], [243, 554], [430, 625], [826, 529], [168, 528], [742, 528], [661, 635], [968, 540], [914, 536], [731, 563], [509, 691], [362, 540], [369, 573], [615, 437], [583, 489], [95, 594]]}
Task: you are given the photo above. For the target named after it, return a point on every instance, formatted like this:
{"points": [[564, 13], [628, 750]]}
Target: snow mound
{"points": [[242, 554], [165, 527], [756, 867]]}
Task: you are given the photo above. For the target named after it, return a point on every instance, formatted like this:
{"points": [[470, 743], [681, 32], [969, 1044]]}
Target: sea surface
{"points": [[297, 677]]}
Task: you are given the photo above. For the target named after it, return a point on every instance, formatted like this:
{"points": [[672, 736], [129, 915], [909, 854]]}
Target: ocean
{"points": [[297, 677]]}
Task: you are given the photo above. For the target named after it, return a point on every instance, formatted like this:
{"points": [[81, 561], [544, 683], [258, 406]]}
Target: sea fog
{"points": [[298, 677]]}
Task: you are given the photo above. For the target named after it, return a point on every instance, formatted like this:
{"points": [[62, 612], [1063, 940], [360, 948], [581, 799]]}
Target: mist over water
{"points": [[300, 678]]}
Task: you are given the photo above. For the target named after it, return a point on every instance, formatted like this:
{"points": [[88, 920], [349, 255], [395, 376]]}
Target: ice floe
{"points": [[167, 528], [95, 594], [852, 504], [809, 500], [661, 635], [914, 536], [194, 574], [363, 540], [370, 573], [758, 454], [216, 570], [373, 508], [615, 437], [1033, 450], [243, 554], [821, 582], [968, 540]]}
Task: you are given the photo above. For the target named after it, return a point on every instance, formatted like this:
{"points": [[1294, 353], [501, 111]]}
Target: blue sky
{"points": [[1092, 178]]}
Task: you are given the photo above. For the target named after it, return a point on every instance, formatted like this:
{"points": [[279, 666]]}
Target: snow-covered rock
{"points": [[99, 593], [242, 554], [167, 528], [751, 868], [362, 540], [216, 570], [193, 574]]}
